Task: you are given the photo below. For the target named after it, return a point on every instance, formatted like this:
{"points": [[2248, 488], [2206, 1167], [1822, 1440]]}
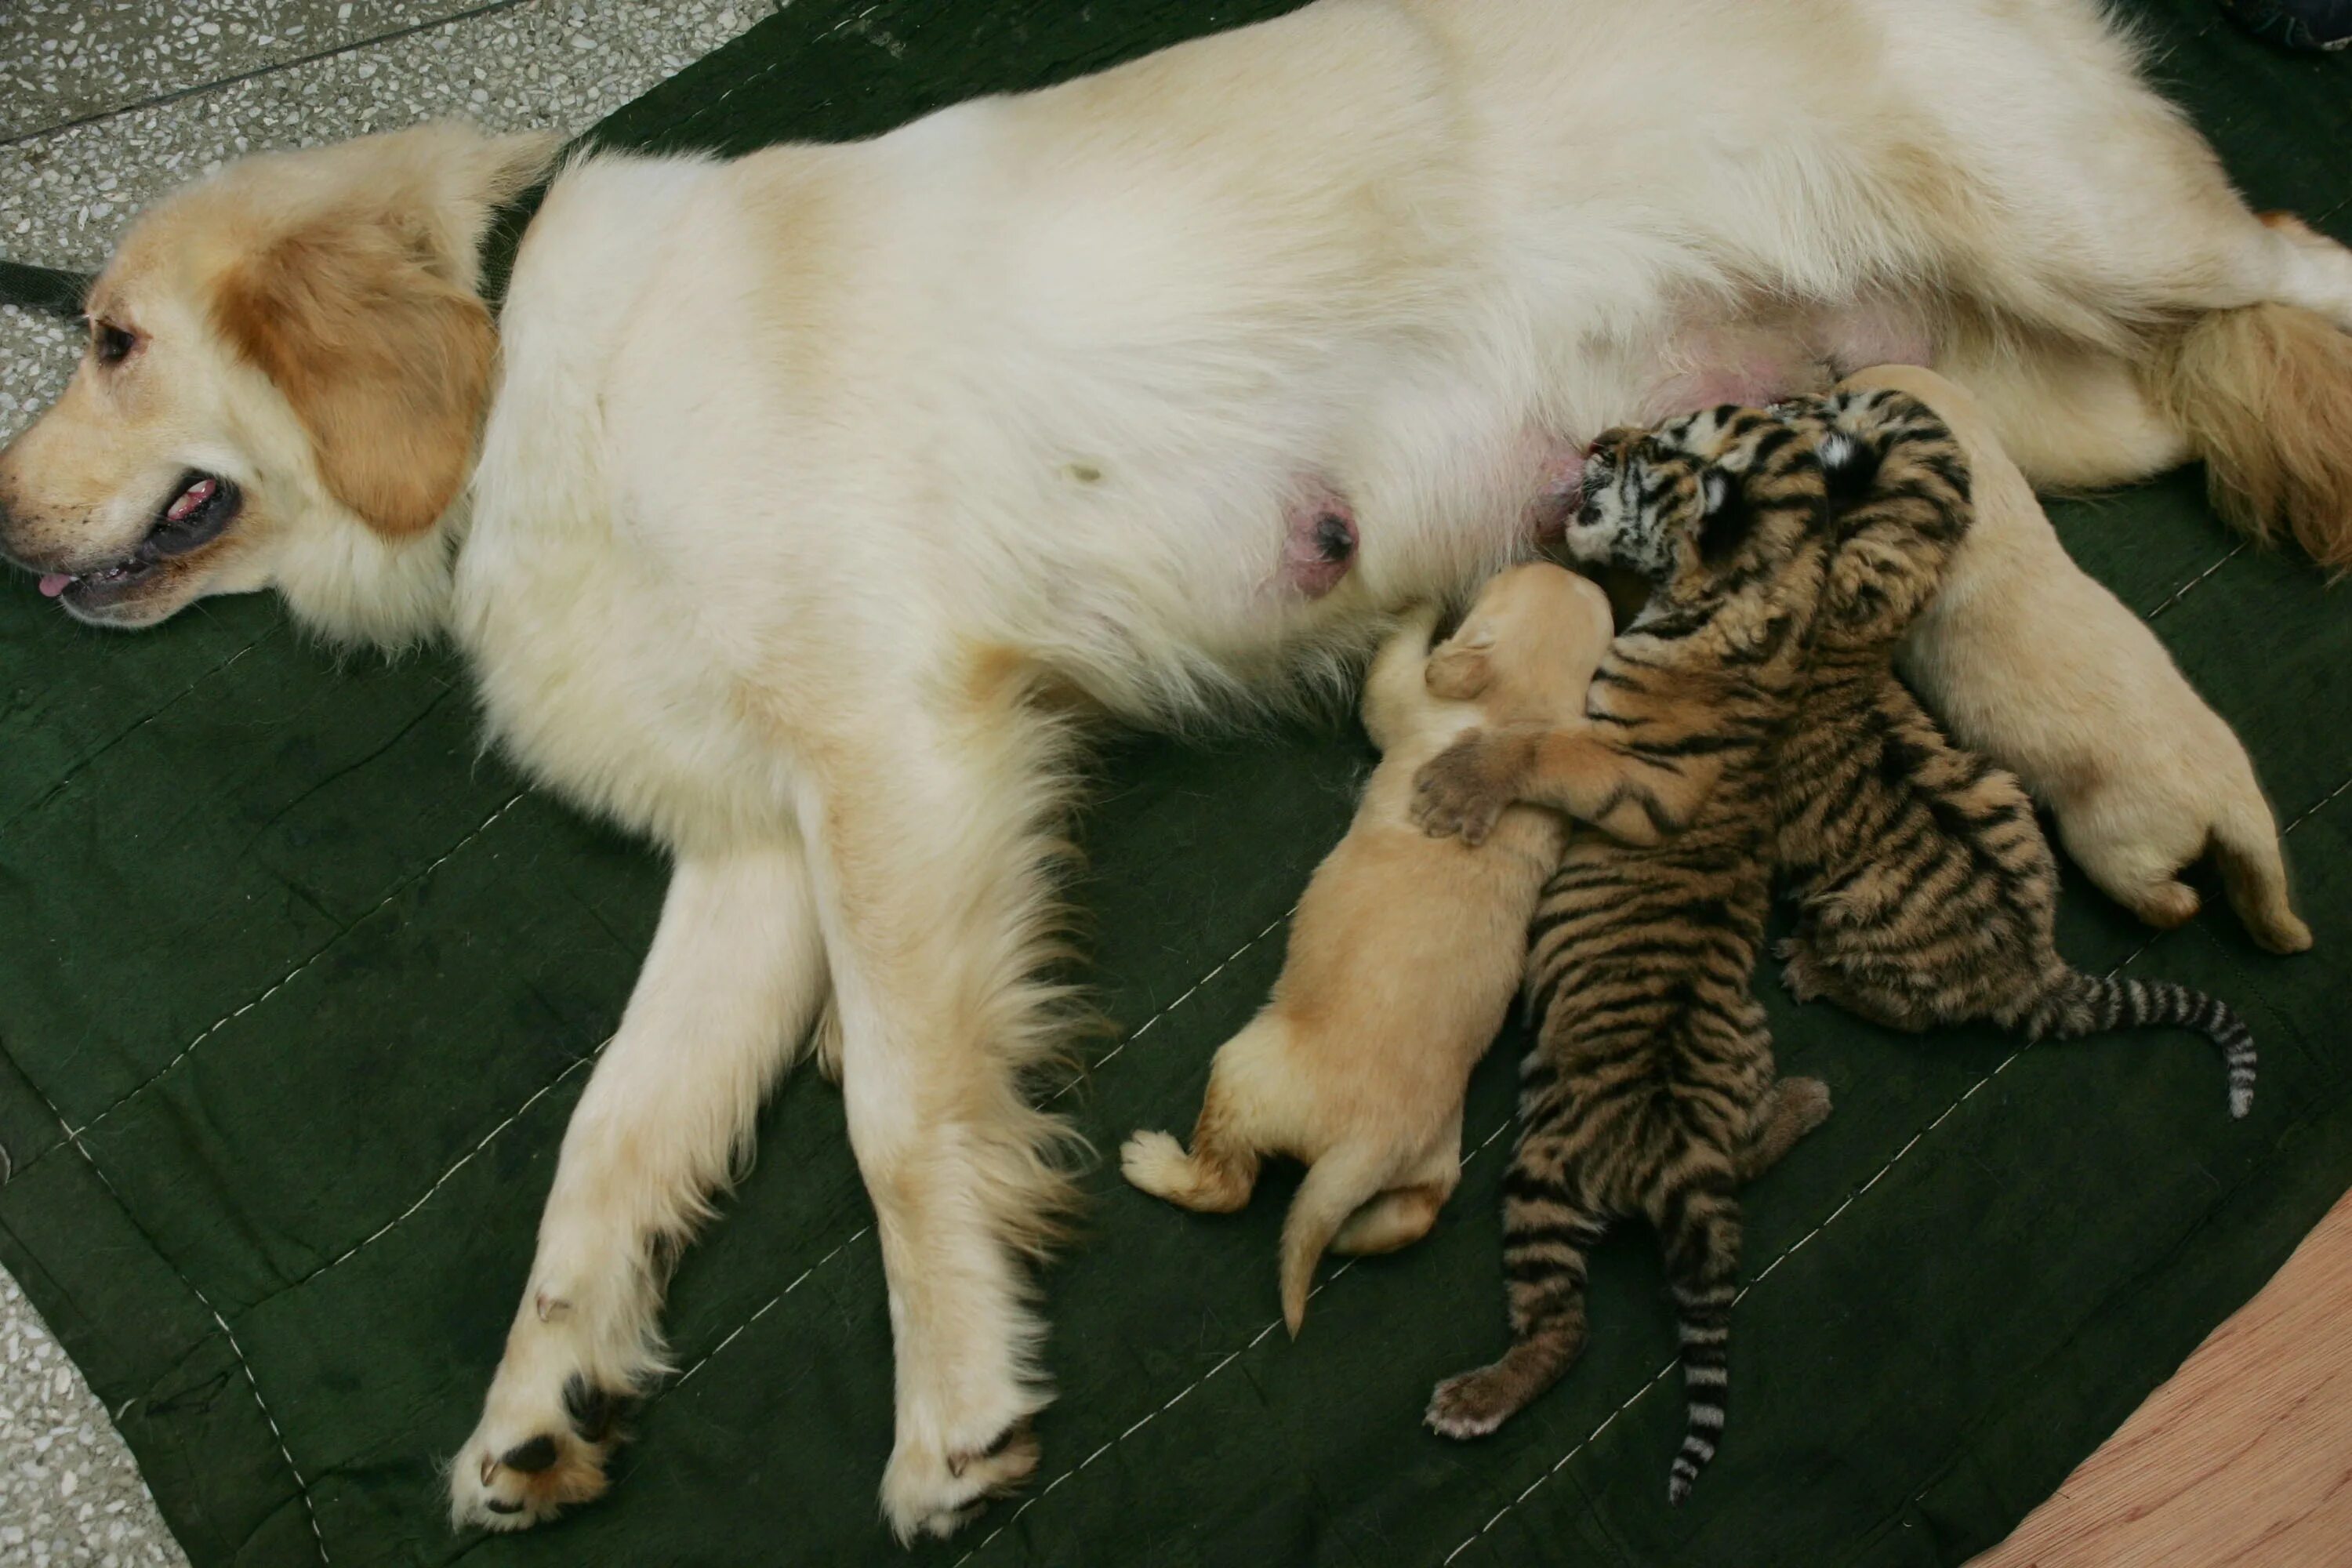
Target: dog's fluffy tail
{"points": [[1337, 1186], [2253, 870], [2263, 394]]}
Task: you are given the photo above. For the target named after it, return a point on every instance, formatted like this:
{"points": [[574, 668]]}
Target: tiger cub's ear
{"points": [[1725, 516], [1849, 464]]}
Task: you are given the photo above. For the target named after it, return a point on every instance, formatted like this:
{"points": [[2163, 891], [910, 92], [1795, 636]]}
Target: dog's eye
{"points": [[112, 344]]}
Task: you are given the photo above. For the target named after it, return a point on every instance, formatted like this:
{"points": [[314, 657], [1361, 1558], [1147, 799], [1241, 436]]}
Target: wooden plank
{"points": [[2242, 1460]]}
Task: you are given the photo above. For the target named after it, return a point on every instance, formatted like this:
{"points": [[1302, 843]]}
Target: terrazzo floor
{"points": [[103, 105]]}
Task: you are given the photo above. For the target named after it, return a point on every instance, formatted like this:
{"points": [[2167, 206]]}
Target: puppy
{"points": [[2032, 661], [1403, 956]]}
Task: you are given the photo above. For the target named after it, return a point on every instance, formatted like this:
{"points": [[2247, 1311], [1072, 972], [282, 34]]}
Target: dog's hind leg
{"points": [[2148, 316], [933, 888], [729, 991]]}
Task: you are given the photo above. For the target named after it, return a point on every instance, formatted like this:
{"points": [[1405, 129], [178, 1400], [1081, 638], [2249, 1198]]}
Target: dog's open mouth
{"points": [[203, 506]]}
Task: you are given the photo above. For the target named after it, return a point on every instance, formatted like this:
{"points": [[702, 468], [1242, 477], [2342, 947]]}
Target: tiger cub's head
{"points": [[1726, 502]]}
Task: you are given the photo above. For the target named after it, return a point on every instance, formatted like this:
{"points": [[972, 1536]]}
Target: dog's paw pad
{"points": [[510, 1481]]}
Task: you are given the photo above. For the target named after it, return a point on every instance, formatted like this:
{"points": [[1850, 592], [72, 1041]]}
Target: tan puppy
{"points": [[1405, 953], [2027, 658]]}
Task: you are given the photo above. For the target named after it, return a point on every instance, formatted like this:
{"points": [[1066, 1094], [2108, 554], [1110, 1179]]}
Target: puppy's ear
{"points": [[1460, 667], [385, 358]]}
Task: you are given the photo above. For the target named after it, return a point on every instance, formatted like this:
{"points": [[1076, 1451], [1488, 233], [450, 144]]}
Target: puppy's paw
{"points": [[2280, 931], [1156, 1162], [1462, 791], [929, 1490], [2166, 905], [531, 1458]]}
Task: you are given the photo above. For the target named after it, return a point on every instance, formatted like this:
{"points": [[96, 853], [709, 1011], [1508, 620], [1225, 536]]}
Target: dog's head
{"points": [[287, 371], [1528, 646]]}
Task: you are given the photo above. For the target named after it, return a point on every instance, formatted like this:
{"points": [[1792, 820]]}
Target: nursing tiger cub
{"points": [[1925, 890], [1651, 1088]]}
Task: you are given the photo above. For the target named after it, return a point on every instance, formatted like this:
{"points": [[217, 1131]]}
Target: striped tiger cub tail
{"points": [[2083, 1004], [1701, 1237]]}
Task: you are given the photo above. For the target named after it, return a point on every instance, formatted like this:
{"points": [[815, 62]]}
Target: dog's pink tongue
{"points": [[54, 583]]}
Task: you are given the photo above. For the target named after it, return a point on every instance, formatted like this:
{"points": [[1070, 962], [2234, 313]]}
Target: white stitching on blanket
{"points": [[1187, 996], [463, 1159], [77, 769], [858, 24], [399, 888], [2182, 592], [300, 1486], [689, 1371], [2315, 805]]}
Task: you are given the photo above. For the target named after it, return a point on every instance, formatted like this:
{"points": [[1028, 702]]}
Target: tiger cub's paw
{"points": [[1800, 976]]}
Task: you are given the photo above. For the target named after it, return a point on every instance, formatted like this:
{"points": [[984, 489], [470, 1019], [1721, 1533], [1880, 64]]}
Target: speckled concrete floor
{"points": [[103, 104]]}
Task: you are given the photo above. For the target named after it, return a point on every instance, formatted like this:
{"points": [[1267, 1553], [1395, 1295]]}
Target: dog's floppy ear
{"points": [[385, 358], [1460, 667]]}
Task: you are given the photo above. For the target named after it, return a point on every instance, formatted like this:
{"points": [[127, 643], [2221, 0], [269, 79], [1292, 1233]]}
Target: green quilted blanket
{"points": [[297, 990]]}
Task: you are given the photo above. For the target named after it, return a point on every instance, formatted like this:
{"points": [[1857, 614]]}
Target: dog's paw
{"points": [[1474, 1404], [929, 1490], [529, 1460]]}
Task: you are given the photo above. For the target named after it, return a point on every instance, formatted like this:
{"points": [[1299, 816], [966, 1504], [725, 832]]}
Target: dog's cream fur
{"points": [[2030, 660], [1405, 953], [798, 471]]}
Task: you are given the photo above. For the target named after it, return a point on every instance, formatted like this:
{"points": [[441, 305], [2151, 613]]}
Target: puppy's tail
{"points": [[2246, 843], [2263, 394], [1337, 1186]]}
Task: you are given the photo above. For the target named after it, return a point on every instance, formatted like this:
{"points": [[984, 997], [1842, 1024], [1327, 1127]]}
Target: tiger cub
{"points": [[1925, 890], [1650, 1090]]}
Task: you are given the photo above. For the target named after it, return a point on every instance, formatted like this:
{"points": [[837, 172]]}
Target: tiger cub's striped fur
{"points": [[1650, 1090], [1925, 889]]}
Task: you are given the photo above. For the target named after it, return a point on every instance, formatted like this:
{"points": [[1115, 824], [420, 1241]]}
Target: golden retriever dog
{"points": [[775, 484], [1405, 953], [2031, 660]]}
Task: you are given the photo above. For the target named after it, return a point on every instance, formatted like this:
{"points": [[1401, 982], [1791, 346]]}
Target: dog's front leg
{"points": [[727, 995], [931, 885]]}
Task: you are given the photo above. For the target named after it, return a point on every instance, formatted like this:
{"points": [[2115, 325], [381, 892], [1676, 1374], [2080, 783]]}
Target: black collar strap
{"points": [[52, 291], [503, 237], [44, 289]]}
